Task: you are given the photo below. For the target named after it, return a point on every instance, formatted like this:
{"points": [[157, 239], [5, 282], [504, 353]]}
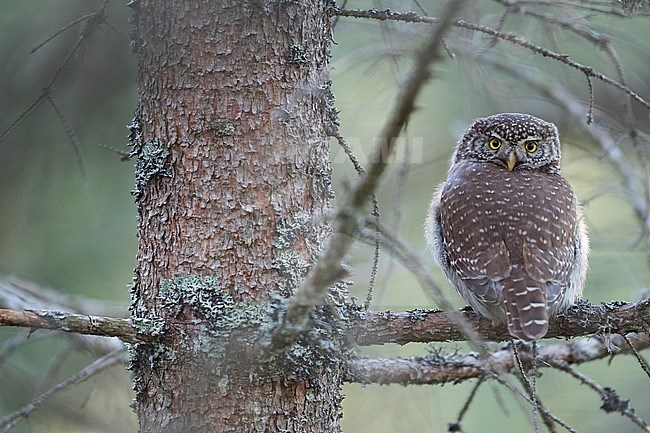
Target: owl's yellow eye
{"points": [[494, 143], [530, 146]]}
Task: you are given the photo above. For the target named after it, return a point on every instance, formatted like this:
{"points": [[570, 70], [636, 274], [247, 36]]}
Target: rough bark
{"points": [[439, 368], [426, 326], [232, 181]]}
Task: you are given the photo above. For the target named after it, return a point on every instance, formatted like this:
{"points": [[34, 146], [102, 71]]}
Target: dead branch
{"points": [[454, 368], [611, 400], [376, 327], [18, 294], [77, 323], [382, 327], [99, 365]]}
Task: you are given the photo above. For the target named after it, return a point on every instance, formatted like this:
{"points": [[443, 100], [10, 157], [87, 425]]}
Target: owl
{"points": [[506, 228]]}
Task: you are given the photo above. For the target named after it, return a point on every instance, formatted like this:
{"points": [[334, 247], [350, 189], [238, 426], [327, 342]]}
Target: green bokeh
{"points": [[78, 236]]}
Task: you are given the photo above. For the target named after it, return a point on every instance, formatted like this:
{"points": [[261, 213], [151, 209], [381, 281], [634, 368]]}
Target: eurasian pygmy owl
{"points": [[506, 227]]}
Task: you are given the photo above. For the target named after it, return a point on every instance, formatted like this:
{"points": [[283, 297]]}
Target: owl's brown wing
{"points": [[551, 267], [549, 258], [492, 278], [483, 273]]}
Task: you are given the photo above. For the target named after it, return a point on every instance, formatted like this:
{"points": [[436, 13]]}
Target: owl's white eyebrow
{"points": [[529, 139], [495, 135]]}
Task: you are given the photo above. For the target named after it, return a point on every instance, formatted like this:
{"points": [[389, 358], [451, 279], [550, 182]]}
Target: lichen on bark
{"points": [[243, 125]]}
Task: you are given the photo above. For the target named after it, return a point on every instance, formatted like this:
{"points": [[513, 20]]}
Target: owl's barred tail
{"points": [[526, 307]]}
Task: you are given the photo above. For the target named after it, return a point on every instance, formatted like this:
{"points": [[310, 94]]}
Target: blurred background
{"points": [[71, 226]]}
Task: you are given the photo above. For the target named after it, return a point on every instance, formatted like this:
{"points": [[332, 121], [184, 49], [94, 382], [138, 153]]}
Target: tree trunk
{"points": [[232, 181]]}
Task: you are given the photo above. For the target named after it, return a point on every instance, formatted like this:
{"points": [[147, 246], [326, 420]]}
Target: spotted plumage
{"points": [[506, 227]]}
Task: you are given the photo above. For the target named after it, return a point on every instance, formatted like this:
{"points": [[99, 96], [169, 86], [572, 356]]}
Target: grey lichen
{"points": [[151, 158], [298, 55], [202, 294], [582, 310], [222, 127], [135, 136], [293, 268], [150, 356], [323, 344], [289, 229], [151, 162], [285, 259], [635, 7], [223, 331], [224, 384], [417, 315], [331, 119], [216, 314], [153, 326], [214, 317]]}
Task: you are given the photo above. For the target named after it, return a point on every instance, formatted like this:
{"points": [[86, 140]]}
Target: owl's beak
{"points": [[511, 161]]}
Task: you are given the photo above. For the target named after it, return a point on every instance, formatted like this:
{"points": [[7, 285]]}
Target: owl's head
{"points": [[512, 140]]}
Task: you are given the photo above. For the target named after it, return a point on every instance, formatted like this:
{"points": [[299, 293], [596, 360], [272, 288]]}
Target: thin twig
{"points": [[509, 37], [91, 370], [375, 213], [374, 272], [400, 193], [421, 271], [642, 362], [74, 140], [455, 426], [533, 387], [328, 268], [611, 401], [544, 410], [123, 154], [93, 23], [590, 110], [529, 386], [77, 21]]}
